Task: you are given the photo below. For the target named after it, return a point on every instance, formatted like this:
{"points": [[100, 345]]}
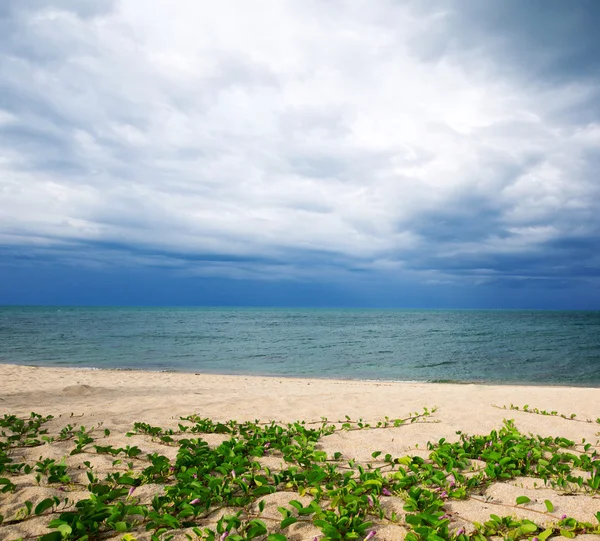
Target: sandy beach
{"points": [[115, 400]]}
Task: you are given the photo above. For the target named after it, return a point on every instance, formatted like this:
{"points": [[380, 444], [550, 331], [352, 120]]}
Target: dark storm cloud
{"points": [[549, 39], [545, 38], [450, 141]]}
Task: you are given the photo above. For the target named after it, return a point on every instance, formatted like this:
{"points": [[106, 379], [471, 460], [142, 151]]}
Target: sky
{"points": [[435, 154]]}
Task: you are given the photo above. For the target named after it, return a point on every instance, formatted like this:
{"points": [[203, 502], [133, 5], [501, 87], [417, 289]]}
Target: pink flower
{"points": [[370, 535], [370, 500], [195, 501], [131, 491], [224, 535], [386, 492]]}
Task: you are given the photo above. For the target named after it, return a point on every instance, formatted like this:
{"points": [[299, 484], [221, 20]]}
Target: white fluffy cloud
{"points": [[279, 137]]}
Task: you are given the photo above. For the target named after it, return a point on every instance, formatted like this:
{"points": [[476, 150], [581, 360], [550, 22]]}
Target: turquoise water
{"points": [[533, 347]]}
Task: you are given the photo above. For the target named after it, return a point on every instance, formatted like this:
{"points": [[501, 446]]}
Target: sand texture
{"points": [[115, 400]]}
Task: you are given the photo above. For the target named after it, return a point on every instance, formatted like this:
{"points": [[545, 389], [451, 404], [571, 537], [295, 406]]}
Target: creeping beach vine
{"points": [[223, 489]]}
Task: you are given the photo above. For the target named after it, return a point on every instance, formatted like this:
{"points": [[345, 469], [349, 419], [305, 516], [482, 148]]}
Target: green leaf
{"points": [[296, 504], [126, 480], [54, 536], [545, 534], [306, 510], [257, 528], [288, 522], [285, 512], [414, 520], [265, 489], [276, 537], [522, 499], [44, 505], [549, 506], [65, 530], [528, 527]]}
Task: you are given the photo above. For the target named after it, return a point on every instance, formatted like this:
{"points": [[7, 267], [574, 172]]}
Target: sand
{"points": [[117, 399]]}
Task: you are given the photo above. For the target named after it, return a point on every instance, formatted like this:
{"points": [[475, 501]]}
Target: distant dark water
{"points": [[529, 347]]}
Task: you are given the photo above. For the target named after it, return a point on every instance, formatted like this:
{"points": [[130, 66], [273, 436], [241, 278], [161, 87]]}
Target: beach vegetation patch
{"points": [[197, 490]]}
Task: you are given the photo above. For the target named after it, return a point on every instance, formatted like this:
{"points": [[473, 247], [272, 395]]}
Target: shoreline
{"points": [[23, 387], [490, 383]]}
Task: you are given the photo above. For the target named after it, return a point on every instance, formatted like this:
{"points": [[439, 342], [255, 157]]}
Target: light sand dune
{"points": [[117, 399]]}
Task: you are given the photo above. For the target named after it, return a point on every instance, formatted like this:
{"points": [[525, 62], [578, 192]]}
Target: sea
{"points": [[461, 346]]}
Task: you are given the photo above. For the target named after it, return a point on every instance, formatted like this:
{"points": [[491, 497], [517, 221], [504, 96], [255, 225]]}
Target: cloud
{"points": [[300, 140]]}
